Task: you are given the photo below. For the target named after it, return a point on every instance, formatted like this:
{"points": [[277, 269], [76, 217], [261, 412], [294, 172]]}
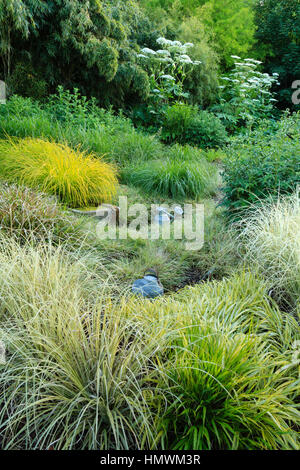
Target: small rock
{"points": [[149, 286]]}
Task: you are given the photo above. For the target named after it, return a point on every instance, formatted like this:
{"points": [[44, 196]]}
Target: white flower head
{"points": [[163, 52], [146, 50], [254, 61], [164, 42], [161, 41], [165, 59], [168, 77], [184, 56]]}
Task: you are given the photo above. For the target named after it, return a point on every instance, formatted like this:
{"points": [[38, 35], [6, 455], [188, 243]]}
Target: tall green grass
{"points": [[94, 129], [174, 178], [229, 380]]}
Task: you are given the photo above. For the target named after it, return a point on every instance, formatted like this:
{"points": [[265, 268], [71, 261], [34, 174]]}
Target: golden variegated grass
{"points": [[76, 371], [77, 178], [271, 235], [196, 370], [229, 380]]}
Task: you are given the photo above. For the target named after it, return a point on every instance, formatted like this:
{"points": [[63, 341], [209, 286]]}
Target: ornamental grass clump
{"points": [[229, 379], [77, 372], [271, 235], [195, 370], [174, 178], [26, 215], [225, 392], [77, 178]]}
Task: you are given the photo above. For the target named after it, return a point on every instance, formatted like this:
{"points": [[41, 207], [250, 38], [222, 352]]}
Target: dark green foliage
{"points": [[265, 164], [104, 57], [278, 35], [27, 82], [88, 44], [16, 20], [187, 124]]}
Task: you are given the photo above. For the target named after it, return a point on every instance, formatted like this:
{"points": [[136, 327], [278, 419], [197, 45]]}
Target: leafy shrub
{"points": [[18, 106], [77, 178], [173, 178], [72, 108], [28, 215], [246, 95], [215, 155], [271, 235], [26, 82], [263, 165], [186, 124], [278, 24], [64, 108]]}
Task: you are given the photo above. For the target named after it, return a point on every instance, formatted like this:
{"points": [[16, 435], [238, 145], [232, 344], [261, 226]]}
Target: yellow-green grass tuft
{"points": [[197, 370], [77, 178], [271, 234]]}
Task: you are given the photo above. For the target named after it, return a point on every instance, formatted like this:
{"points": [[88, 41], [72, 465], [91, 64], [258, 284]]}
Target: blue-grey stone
{"points": [[147, 287]]}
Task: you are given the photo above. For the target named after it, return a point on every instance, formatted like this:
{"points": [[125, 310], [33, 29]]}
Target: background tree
{"points": [[90, 45], [278, 35], [228, 23], [232, 23], [15, 17]]}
